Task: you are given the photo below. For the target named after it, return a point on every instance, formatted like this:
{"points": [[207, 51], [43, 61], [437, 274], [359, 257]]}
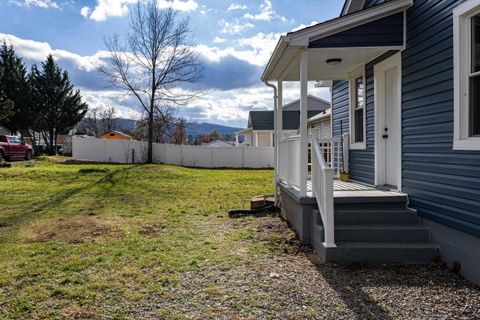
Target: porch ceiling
{"points": [[288, 68]]}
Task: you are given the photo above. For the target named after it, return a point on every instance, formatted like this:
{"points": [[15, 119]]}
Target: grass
{"points": [[91, 241]]}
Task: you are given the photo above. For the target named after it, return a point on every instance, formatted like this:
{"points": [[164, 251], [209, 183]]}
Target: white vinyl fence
{"points": [[132, 151]]}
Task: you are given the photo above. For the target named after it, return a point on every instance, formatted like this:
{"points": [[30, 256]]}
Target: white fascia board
{"points": [[276, 55], [244, 131], [304, 36]]}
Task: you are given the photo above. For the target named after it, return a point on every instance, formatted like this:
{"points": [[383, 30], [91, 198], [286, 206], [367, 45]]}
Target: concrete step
{"points": [[382, 233], [377, 216], [402, 252]]}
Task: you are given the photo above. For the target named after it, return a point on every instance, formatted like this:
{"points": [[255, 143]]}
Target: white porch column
{"points": [[255, 139], [303, 122], [236, 140]]}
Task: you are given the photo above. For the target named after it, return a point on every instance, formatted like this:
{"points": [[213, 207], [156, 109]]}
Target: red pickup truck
{"points": [[12, 146]]}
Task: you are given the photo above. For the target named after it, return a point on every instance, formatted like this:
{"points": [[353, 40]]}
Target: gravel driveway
{"points": [[290, 285]]}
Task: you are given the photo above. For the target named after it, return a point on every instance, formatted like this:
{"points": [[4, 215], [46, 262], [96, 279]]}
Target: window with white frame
{"points": [[357, 112], [466, 19]]}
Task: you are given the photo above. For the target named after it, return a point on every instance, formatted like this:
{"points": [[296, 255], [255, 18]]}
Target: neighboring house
{"points": [[115, 135], [261, 123], [406, 93], [322, 122]]}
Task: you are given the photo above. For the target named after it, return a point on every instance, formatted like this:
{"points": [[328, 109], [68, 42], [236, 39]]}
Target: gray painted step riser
{"points": [[402, 255], [377, 236], [365, 199], [383, 235], [380, 217]]}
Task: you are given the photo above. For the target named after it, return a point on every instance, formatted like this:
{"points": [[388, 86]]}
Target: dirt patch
{"points": [[151, 230], [286, 241], [77, 229]]}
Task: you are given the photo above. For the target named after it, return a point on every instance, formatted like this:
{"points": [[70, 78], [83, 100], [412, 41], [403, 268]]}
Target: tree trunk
{"points": [[51, 138], [150, 136]]}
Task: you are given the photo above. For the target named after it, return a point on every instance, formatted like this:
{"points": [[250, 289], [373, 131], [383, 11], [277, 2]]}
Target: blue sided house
{"points": [[399, 178]]}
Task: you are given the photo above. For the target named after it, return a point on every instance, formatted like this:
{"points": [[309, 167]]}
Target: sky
{"points": [[233, 39]]}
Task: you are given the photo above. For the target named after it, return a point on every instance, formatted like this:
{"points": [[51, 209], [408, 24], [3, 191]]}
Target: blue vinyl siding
{"points": [[340, 107], [443, 184], [371, 3], [383, 32]]}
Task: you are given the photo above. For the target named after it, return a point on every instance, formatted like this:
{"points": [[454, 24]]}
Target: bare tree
{"points": [[107, 119], [178, 135], [154, 61], [91, 123], [163, 122], [98, 122]]}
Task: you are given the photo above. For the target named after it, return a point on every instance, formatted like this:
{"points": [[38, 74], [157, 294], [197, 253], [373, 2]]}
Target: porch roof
{"points": [[355, 38]]}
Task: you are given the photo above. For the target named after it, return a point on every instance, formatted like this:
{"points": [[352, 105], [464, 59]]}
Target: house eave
{"points": [[304, 36]]}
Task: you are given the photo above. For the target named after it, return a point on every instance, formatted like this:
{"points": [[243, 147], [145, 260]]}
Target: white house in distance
{"points": [[261, 123]]}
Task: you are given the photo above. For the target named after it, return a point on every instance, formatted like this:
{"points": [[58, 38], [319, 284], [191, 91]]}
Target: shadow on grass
{"points": [[59, 199]]}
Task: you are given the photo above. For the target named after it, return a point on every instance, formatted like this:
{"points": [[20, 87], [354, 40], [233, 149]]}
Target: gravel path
{"points": [[287, 284]]}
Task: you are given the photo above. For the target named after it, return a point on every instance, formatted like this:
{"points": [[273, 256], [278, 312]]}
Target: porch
{"points": [[347, 220]]}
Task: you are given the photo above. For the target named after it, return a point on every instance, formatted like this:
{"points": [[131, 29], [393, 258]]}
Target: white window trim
{"points": [[351, 87], [461, 63]]}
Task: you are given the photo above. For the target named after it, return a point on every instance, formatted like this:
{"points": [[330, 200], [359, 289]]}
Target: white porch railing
{"points": [[322, 183], [289, 153], [331, 149]]}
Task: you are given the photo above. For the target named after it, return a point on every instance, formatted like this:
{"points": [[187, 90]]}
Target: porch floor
{"points": [[349, 189]]}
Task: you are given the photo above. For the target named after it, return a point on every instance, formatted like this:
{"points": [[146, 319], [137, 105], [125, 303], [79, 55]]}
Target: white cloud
{"points": [[85, 11], [228, 107], [36, 51], [180, 5], [105, 9], [218, 40], [36, 3], [236, 6], [305, 25], [266, 13], [234, 27], [255, 50]]}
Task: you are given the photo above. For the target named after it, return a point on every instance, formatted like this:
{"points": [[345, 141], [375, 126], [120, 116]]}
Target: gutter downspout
{"points": [[275, 132]]}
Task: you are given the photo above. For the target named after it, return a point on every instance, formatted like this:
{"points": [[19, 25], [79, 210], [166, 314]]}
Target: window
{"points": [[466, 18], [357, 114], [3, 139], [14, 140]]}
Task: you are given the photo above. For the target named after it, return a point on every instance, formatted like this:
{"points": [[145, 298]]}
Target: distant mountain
{"points": [[196, 129], [125, 125]]}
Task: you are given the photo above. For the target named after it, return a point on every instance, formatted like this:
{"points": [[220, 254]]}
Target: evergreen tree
{"points": [[14, 87], [6, 105], [58, 105]]}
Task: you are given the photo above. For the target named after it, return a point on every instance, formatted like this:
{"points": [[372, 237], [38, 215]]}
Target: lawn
{"points": [[94, 240], [156, 242]]}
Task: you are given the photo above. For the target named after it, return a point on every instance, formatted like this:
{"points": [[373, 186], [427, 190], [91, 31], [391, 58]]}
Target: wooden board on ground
{"points": [[259, 202]]}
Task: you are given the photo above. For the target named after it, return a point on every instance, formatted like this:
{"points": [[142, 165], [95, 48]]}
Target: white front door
{"points": [[388, 123]]}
